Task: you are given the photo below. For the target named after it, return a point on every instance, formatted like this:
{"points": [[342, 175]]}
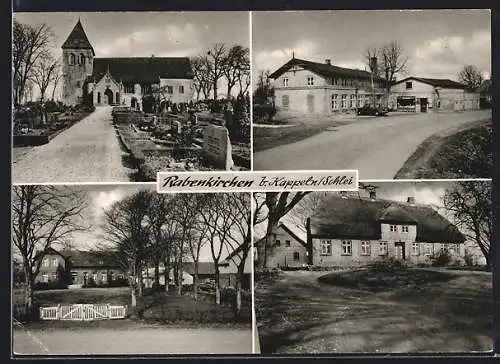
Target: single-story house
{"points": [[418, 94], [349, 231]]}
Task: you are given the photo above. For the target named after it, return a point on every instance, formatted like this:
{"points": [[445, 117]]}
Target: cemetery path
{"points": [[136, 340], [376, 146], [89, 151]]}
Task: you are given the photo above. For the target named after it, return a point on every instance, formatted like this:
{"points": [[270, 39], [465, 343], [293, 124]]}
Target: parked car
{"points": [[373, 111]]}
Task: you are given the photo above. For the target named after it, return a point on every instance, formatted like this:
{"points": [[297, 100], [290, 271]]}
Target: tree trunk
{"points": [[166, 273], [237, 309], [217, 286], [195, 281], [139, 284], [179, 279], [215, 90], [28, 296], [271, 228], [157, 274], [133, 298]]}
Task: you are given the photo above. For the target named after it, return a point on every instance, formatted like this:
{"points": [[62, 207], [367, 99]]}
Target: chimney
{"points": [[373, 195], [411, 200], [328, 61]]}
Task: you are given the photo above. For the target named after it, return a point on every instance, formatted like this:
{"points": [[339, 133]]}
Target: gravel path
{"points": [[89, 151], [377, 147], [141, 340]]}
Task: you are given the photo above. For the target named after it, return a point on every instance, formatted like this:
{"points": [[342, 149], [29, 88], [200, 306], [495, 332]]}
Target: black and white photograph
{"points": [[397, 267], [107, 269], [394, 94], [119, 96]]}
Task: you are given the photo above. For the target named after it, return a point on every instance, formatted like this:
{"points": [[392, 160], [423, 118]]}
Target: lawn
{"points": [[457, 153], [293, 130], [296, 313]]}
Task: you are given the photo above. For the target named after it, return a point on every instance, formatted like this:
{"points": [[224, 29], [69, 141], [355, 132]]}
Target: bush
{"points": [[264, 112], [43, 286], [468, 258], [440, 259], [267, 274], [389, 264]]}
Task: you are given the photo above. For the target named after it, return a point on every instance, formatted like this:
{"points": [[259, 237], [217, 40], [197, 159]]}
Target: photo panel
{"points": [[395, 94], [119, 96], [124, 270], [397, 267]]}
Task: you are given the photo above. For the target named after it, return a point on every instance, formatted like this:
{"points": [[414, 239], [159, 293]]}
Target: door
{"points": [[310, 103], [399, 250], [423, 105]]}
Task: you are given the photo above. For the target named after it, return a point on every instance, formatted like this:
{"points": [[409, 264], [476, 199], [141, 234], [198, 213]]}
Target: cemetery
{"points": [[183, 138], [37, 123]]}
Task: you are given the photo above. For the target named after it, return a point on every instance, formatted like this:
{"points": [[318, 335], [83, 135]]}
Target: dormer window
{"points": [[310, 81], [285, 82]]}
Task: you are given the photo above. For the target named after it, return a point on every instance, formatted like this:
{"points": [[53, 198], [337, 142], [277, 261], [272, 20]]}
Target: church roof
{"points": [[78, 39], [142, 69]]}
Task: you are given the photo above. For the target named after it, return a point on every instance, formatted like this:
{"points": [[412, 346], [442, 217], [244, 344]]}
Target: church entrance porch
{"points": [[109, 97]]}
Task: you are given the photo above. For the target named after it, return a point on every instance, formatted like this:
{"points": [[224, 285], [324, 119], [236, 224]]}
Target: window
{"points": [[415, 250], [55, 262], [428, 249], [285, 82], [344, 101], [335, 102], [72, 59], [361, 100], [53, 276], [170, 89], [310, 81], [346, 247], [103, 276], [404, 228], [82, 58], [287, 243], [453, 248], [45, 278], [326, 247], [46, 262], [442, 248], [285, 101], [365, 248], [393, 228], [278, 242], [383, 248], [409, 85], [94, 277], [181, 89], [353, 101], [296, 256]]}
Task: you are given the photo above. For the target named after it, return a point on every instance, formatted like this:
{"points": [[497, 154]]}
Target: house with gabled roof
{"points": [[120, 81], [419, 94], [311, 87], [350, 231], [287, 248]]}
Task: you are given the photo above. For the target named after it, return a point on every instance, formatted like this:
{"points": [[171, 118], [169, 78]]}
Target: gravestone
{"points": [[217, 146], [177, 126]]}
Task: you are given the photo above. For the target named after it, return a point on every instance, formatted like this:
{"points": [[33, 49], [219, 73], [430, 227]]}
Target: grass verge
{"points": [[464, 152]]}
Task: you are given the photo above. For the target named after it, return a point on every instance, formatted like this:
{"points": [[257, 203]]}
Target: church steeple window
{"points": [[72, 59], [82, 58]]}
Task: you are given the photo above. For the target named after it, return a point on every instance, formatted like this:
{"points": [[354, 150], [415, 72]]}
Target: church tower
{"points": [[78, 61]]}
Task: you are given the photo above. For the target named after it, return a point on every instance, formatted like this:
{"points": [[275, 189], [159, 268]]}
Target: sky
{"points": [[101, 198], [142, 34], [438, 43]]}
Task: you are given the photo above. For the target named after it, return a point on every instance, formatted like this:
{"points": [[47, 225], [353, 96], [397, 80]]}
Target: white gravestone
{"points": [[217, 146], [178, 126]]}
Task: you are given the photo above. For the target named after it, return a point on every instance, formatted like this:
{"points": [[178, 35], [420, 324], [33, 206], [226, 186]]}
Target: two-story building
{"points": [[120, 81], [347, 231], [418, 94], [310, 87]]}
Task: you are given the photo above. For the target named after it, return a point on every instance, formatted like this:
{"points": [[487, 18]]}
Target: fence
{"points": [[83, 312]]}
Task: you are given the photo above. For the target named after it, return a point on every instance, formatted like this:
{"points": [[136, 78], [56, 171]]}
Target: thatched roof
{"points": [[360, 218]]}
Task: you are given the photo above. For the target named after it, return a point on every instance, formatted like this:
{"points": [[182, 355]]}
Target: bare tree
{"points": [[306, 207], [470, 204], [42, 216], [44, 73], [236, 64], [125, 229], [370, 54], [393, 62], [195, 242], [201, 76], [55, 80], [216, 58], [30, 43], [471, 77]]}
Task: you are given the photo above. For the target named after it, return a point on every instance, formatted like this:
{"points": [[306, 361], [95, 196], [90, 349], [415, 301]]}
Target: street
{"points": [[376, 146], [142, 339], [89, 151]]}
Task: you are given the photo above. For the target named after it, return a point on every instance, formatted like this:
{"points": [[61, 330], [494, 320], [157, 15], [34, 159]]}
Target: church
{"points": [[120, 81]]}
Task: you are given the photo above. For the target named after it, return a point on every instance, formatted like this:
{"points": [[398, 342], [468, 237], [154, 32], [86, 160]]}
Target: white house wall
{"points": [[283, 256], [176, 96]]}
